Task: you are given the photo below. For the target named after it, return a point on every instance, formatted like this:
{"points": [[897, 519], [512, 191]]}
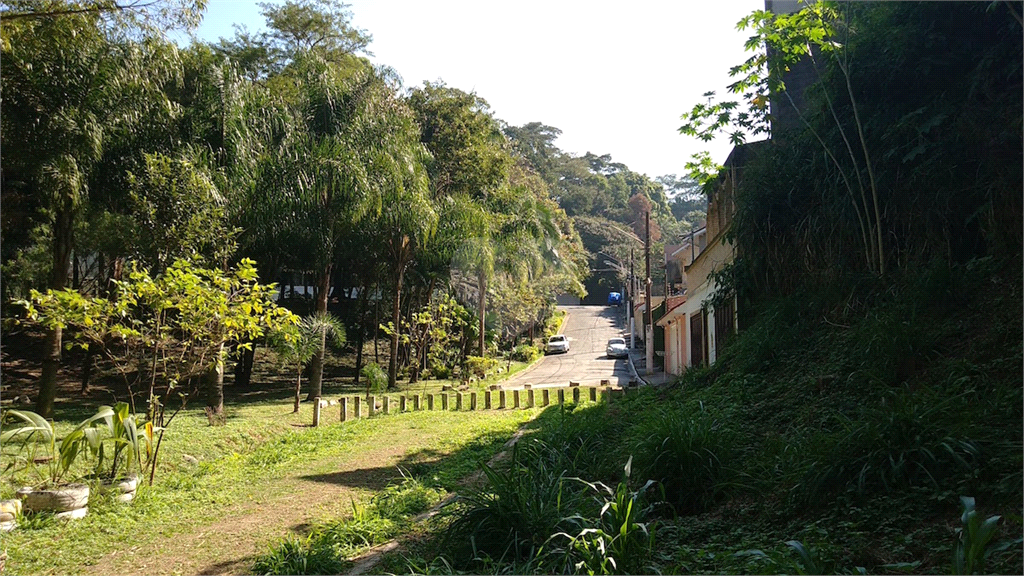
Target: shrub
{"points": [[906, 440], [480, 365], [376, 378], [525, 353], [690, 456], [514, 514]]}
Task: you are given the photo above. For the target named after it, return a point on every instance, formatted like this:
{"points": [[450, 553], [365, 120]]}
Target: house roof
{"points": [[675, 310]]}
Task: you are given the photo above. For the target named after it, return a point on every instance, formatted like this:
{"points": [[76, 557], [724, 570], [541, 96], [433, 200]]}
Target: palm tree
{"points": [[68, 87]]}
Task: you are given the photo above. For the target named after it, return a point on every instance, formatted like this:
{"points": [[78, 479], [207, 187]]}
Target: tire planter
{"points": [[123, 489], [66, 502], [9, 512]]}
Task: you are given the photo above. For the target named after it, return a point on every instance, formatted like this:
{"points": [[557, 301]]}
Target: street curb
{"points": [[634, 372]]}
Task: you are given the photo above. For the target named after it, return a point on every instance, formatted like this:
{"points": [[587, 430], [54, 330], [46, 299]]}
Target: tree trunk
{"points": [[213, 382], [482, 287], [316, 366], [298, 388], [243, 367], [363, 299], [395, 319], [62, 240], [87, 366]]}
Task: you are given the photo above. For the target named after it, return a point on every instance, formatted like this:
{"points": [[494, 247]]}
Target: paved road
{"points": [[589, 328]]}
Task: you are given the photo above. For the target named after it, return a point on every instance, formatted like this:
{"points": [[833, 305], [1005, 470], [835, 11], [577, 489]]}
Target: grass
{"points": [[812, 446], [259, 444]]}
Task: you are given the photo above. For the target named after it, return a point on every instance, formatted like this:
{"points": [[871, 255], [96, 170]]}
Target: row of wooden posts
{"points": [[505, 399]]}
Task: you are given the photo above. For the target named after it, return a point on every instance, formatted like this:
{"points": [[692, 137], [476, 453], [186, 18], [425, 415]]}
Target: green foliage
{"points": [[328, 546], [32, 438], [622, 540], [972, 548], [526, 353], [904, 440], [689, 454], [179, 212], [130, 441], [511, 518], [479, 366], [376, 378]]}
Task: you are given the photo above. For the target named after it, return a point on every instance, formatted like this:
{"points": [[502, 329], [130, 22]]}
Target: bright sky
{"points": [[613, 76]]}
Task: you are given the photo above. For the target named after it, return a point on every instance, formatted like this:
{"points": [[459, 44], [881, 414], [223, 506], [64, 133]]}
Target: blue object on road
{"points": [[614, 298]]}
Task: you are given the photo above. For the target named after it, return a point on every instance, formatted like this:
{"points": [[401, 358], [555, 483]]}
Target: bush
{"points": [[440, 371], [905, 441], [376, 378], [690, 456], [525, 353], [480, 365], [512, 517]]}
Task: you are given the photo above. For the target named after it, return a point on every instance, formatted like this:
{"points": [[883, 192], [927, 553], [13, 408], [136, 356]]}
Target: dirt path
{"points": [[291, 504]]}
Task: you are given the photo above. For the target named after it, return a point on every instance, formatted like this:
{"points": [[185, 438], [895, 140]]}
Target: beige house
{"points": [[696, 330]]}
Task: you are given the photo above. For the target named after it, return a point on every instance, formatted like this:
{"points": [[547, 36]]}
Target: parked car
{"points": [[614, 298], [617, 348], [557, 343]]}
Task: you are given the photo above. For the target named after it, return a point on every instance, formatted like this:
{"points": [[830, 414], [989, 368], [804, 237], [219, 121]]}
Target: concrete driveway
{"points": [[588, 328]]}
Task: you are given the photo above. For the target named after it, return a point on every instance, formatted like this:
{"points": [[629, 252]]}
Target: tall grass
{"points": [[689, 454]]}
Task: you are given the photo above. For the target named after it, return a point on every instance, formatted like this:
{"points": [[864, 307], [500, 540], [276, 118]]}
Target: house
{"points": [[696, 328]]}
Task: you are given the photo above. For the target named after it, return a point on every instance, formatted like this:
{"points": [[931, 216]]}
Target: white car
{"points": [[557, 343], [617, 348]]}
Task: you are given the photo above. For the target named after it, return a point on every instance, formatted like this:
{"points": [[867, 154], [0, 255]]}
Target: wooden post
{"points": [[545, 397], [416, 403], [401, 403], [593, 394], [529, 398], [458, 402], [371, 406], [344, 408], [444, 401], [576, 395], [430, 402], [316, 412], [607, 394], [561, 395], [487, 400], [501, 399], [472, 400], [387, 405], [515, 398], [356, 408]]}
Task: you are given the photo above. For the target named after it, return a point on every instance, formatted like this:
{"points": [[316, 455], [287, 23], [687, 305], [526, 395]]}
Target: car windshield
{"points": [[618, 341], [557, 339]]}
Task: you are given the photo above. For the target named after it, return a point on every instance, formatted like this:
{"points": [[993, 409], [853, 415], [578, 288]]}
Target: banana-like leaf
{"points": [[34, 424]]}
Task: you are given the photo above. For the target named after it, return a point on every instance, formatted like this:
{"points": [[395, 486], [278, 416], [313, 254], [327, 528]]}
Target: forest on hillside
{"points": [[124, 151]]}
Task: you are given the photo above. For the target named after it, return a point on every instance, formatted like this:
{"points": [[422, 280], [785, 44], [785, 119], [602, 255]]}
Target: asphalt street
{"points": [[588, 328]]}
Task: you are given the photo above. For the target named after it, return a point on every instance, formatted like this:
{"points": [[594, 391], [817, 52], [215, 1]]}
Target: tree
{"points": [[296, 28], [818, 31], [172, 328], [67, 87]]}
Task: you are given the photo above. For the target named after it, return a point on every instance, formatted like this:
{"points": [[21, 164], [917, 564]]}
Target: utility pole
{"points": [[632, 303], [649, 332]]}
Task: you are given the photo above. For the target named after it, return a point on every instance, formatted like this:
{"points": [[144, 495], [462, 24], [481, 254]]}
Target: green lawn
{"points": [[262, 455]]}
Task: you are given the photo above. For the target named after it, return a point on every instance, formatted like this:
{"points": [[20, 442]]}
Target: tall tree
{"points": [[67, 86]]}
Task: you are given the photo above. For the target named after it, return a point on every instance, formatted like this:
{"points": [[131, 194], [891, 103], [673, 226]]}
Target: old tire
{"points": [[65, 499]]}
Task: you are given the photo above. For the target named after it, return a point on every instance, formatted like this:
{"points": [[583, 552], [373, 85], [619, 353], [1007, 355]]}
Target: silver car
{"points": [[617, 348], [557, 343]]}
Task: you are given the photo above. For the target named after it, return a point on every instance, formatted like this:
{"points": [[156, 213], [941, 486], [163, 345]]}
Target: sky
{"points": [[614, 77]]}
